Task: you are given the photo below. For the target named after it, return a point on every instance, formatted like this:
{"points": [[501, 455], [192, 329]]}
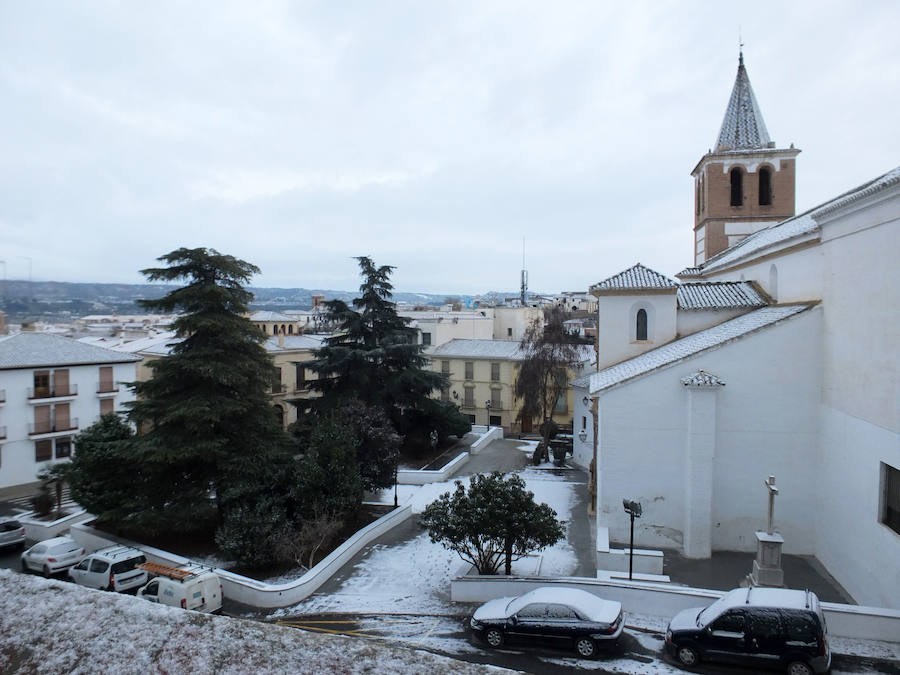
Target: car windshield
{"points": [[126, 565], [63, 548], [710, 613]]}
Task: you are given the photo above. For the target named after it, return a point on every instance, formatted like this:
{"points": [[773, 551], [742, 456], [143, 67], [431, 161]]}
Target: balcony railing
{"points": [[35, 428], [107, 387], [53, 392]]}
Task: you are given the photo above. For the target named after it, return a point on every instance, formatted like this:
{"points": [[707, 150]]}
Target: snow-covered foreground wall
{"points": [[53, 626]]}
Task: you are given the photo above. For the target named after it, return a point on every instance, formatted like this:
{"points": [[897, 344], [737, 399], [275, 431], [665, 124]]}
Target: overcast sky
{"points": [[432, 136]]}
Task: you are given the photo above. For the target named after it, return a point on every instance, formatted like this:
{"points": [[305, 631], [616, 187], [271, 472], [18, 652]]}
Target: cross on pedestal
{"points": [[773, 492]]}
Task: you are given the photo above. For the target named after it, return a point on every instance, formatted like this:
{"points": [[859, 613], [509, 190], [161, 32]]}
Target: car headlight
{"points": [[475, 623], [669, 636]]}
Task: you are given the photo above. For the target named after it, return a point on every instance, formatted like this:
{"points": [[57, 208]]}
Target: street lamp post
{"points": [[487, 408], [634, 510]]}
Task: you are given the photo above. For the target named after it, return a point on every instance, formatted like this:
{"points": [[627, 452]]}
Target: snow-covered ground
{"points": [[49, 626]]}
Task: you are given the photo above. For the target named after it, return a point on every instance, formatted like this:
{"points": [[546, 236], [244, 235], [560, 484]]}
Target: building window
{"points": [[43, 450], [890, 497], [276, 380], [737, 187], [445, 394], [495, 400], [63, 447], [469, 397], [278, 415], [495, 421], [106, 406], [426, 339], [301, 376], [765, 187], [470, 370], [471, 419], [562, 405], [41, 383], [509, 332], [495, 372], [106, 380], [640, 332], [445, 367], [583, 422]]}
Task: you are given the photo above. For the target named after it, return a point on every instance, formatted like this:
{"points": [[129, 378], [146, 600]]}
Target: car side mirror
{"points": [[514, 619]]}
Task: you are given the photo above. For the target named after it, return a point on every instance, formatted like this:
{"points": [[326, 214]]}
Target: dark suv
{"points": [[758, 627]]}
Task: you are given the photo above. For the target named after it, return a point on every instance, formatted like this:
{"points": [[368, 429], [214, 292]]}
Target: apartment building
{"points": [[51, 387]]}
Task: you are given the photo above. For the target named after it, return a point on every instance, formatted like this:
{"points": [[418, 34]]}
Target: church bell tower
{"points": [[744, 183]]}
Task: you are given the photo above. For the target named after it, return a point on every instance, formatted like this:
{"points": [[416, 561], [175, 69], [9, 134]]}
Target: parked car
{"points": [[758, 627], [52, 556], [12, 533], [566, 618], [114, 568], [191, 587]]}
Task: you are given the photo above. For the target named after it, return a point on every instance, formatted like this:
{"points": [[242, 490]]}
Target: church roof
{"points": [[635, 278], [689, 346], [798, 226], [720, 295], [743, 127]]}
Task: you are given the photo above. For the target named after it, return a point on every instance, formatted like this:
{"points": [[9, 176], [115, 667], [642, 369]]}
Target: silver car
{"points": [[12, 533], [52, 556]]}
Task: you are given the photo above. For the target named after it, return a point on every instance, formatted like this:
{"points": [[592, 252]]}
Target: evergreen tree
{"points": [[206, 410], [374, 357]]}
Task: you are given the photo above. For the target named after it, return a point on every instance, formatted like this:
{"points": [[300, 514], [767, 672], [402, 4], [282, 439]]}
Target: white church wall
{"points": [[582, 450], [797, 275], [766, 423], [692, 321], [617, 319]]}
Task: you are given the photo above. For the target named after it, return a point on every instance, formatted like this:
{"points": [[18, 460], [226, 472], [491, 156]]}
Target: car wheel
{"points": [[494, 638], [585, 647], [46, 571], [799, 668], [688, 656]]}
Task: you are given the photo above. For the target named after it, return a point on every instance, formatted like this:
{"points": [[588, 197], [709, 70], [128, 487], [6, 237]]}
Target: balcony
{"points": [[48, 393], [54, 427], [107, 388]]}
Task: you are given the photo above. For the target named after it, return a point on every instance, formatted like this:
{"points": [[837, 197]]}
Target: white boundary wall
{"points": [[848, 621], [420, 477], [488, 434], [258, 593], [39, 530]]}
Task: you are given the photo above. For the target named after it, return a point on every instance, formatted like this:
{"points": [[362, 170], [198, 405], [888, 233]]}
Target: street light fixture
{"points": [[487, 407], [633, 509]]}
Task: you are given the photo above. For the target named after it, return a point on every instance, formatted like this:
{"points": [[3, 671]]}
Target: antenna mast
{"points": [[523, 292]]}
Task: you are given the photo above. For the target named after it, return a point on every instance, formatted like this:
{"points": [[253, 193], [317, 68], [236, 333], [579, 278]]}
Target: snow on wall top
{"points": [[688, 346], [480, 349], [799, 225], [719, 295], [702, 379], [292, 342], [635, 278], [265, 315], [29, 350], [743, 127]]}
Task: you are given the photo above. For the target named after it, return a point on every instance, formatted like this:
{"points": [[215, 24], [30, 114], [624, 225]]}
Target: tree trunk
{"points": [[508, 552]]}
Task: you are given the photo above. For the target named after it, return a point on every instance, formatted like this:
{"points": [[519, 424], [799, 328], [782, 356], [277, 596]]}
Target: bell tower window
{"points": [[737, 187], [640, 332], [765, 187]]}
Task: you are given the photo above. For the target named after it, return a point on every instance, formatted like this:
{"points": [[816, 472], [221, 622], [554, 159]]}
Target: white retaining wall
{"points": [[258, 593], [849, 621], [421, 477], [39, 530], [488, 434]]}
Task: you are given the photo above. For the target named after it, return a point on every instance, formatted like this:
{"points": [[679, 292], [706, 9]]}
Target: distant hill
{"points": [[61, 300]]}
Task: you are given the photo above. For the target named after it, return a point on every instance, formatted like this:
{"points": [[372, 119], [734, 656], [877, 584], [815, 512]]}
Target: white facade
{"points": [[617, 337], [813, 399], [38, 423], [510, 323], [437, 328]]}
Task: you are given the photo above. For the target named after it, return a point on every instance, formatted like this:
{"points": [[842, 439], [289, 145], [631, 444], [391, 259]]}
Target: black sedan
{"points": [[564, 618]]}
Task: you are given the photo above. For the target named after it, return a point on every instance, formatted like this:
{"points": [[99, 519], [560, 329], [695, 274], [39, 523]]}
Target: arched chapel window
{"points": [[765, 187], [737, 187], [640, 332]]}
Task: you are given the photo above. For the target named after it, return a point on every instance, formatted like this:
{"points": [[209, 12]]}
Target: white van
{"points": [[191, 587], [115, 568]]}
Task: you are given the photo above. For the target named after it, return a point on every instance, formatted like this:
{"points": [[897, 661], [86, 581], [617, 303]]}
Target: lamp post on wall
{"points": [[634, 510]]}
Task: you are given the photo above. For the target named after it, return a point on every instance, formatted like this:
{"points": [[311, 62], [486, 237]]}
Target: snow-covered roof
{"points": [[743, 127], [799, 226], [480, 349], [30, 350], [688, 346], [689, 272], [764, 597], [152, 344], [637, 277], [294, 342], [702, 379], [720, 295], [587, 604], [264, 315]]}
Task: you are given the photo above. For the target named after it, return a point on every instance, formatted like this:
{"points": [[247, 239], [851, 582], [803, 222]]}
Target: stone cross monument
{"points": [[767, 566]]}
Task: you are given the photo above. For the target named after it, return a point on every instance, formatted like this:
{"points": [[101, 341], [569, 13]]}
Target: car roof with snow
{"points": [[587, 604], [768, 597]]}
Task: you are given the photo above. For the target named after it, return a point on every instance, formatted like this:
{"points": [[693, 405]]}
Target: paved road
{"points": [[639, 651]]}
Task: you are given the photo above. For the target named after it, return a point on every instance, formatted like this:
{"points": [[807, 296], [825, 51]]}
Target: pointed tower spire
{"points": [[743, 127]]}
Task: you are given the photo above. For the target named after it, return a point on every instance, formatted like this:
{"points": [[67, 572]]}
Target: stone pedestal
{"points": [[767, 566]]}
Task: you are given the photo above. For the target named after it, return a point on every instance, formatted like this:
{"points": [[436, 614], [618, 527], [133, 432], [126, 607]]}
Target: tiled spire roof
{"points": [[743, 127], [635, 278]]}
